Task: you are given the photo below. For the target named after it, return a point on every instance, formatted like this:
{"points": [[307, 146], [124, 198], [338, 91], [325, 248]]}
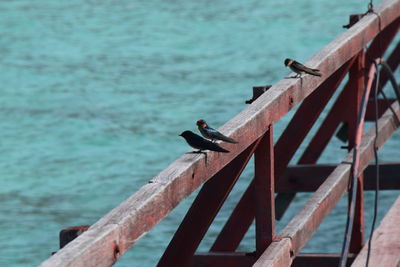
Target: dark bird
{"points": [[300, 68], [211, 133], [198, 142]]}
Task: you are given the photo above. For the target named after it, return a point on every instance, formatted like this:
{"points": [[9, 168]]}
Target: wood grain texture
{"points": [[299, 127], [305, 223], [385, 246], [233, 259], [308, 177], [203, 211], [320, 259], [128, 222], [278, 254], [264, 193]]}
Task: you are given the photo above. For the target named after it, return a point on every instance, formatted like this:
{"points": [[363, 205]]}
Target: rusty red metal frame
{"points": [[308, 177], [355, 102], [384, 246], [264, 194], [112, 235], [203, 211], [306, 115], [305, 223], [322, 205], [338, 112], [354, 240]]}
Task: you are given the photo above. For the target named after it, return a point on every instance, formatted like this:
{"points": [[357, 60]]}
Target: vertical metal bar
{"points": [[264, 192], [357, 81], [351, 219], [203, 211], [357, 240]]}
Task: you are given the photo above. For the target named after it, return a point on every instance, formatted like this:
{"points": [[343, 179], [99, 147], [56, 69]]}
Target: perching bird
{"points": [[300, 68], [198, 142], [211, 133]]}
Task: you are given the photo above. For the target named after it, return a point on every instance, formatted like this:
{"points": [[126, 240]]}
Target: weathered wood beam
{"points": [[203, 211], [264, 194], [318, 143], [243, 214], [357, 79], [376, 49], [319, 259], [307, 178], [297, 178], [300, 125], [385, 249], [305, 223], [113, 234], [305, 117], [217, 259], [382, 106], [278, 254]]}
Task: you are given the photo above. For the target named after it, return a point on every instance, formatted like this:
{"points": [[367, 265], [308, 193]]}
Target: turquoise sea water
{"points": [[95, 93]]}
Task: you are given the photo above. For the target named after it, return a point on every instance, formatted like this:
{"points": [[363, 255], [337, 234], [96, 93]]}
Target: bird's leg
{"points": [[196, 152], [200, 151]]}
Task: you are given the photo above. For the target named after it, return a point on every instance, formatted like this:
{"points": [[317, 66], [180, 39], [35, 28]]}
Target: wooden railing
{"points": [[105, 241]]}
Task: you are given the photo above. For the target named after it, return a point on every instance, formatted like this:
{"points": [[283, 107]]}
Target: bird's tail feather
{"points": [[314, 72], [229, 140]]}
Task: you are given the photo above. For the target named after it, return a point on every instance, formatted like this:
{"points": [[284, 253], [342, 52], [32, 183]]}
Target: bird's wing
{"points": [[217, 135], [306, 69], [203, 132]]}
